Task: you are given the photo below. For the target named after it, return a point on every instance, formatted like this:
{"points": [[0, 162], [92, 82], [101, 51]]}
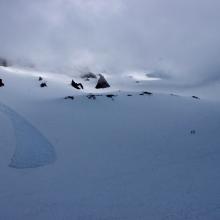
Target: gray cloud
{"points": [[179, 38]]}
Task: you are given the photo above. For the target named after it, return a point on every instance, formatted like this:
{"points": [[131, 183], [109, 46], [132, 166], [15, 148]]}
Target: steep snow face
{"points": [[131, 157]]}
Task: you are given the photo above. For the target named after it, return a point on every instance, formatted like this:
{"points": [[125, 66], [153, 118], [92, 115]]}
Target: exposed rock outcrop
{"points": [[102, 83], [76, 85], [43, 85], [1, 83]]}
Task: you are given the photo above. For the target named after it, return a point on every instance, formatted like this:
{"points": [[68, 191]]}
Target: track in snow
{"points": [[32, 148]]}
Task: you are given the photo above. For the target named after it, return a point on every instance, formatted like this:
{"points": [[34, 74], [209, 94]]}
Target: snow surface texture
{"points": [[32, 148], [133, 157]]}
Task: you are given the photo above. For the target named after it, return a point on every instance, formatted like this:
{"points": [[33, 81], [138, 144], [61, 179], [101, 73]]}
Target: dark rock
{"points": [[91, 96], [88, 76], [40, 78], [69, 97], [76, 85], [1, 83], [195, 97], [111, 96], [102, 83], [193, 132], [129, 95], [43, 85], [146, 93]]}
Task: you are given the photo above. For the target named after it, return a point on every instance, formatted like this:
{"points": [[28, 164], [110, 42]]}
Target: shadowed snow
{"points": [[32, 148]]}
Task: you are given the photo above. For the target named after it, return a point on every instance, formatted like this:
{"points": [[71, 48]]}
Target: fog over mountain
{"points": [[179, 39]]}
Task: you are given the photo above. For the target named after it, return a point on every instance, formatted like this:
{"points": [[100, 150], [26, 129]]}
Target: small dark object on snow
{"points": [[137, 81], [40, 78], [91, 96], [111, 96], [88, 76], [195, 97], [146, 93], [76, 85], [102, 83], [43, 85], [69, 97], [1, 83], [129, 95], [193, 132]]}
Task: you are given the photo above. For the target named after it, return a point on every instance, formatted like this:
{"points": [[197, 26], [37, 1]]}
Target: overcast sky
{"points": [[175, 37]]}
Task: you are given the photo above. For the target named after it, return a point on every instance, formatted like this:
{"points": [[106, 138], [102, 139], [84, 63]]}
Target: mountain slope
{"points": [[131, 157]]}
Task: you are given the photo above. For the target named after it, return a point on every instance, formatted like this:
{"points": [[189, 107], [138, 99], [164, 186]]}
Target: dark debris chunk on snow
{"points": [[146, 93], [69, 97], [195, 97], [111, 96], [91, 96], [76, 85], [44, 84], [1, 83], [193, 132], [40, 78]]}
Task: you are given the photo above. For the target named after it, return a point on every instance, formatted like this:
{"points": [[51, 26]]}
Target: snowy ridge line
{"points": [[32, 148]]}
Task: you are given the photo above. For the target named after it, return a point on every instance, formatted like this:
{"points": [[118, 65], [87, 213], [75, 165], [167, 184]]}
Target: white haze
{"points": [[175, 39]]}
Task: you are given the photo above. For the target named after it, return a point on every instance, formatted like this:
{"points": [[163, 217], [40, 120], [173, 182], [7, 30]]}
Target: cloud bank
{"points": [[178, 38]]}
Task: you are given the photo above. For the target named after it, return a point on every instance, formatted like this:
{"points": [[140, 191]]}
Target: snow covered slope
{"points": [[127, 157]]}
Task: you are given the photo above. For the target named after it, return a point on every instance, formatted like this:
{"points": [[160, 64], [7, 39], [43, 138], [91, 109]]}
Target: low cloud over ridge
{"points": [[179, 38]]}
